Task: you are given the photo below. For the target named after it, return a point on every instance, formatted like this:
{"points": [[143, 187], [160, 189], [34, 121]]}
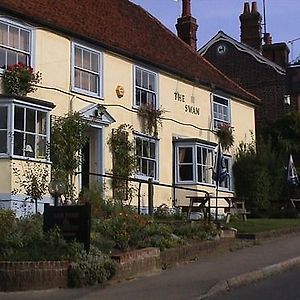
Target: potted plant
{"points": [[225, 135], [19, 79]]}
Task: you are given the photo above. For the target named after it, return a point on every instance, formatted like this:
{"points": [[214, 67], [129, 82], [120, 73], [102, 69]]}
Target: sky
{"points": [[282, 18]]}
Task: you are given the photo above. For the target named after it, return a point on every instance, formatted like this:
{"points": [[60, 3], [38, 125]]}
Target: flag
{"points": [[292, 176], [219, 170]]}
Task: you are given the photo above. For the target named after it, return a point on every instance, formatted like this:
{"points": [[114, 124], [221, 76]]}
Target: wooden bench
{"points": [[196, 204], [236, 208]]}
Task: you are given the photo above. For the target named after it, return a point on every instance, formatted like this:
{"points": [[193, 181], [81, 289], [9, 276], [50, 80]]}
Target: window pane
{"points": [[77, 78], [3, 34], [84, 80], [200, 174], [3, 141], [138, 97], [152, 150], [30, 120], [199, 155], [19, 118], [12, 58], [138, 77], [138, 147], [145, 80], [41, 147], [93, 83], [22, 58], [186, 173], [151, 168], [151, 82], [3, 117], [30, 145], [185, 155], [144, 166], [78, 57], [18, 143], [144, 97], [24, 40], [41, 122], [145, 149], [2, 58], [86, 60], [95, 62], [14, 37]]}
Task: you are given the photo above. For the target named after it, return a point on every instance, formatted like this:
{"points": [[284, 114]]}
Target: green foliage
{"points": [[33, 180], [225, 136], [90, 269], [68, 137], [7, 223], [259, 177], [124, 162], [196, 231], [285, 133], [19, 79], [25, 240], [151, 118]]}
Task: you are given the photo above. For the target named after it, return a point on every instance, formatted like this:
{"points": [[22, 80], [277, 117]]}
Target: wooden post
{"points": [[150, 196]]}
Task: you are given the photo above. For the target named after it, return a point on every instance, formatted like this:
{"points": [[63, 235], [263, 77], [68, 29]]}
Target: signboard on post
{"points": [[74, 222]]}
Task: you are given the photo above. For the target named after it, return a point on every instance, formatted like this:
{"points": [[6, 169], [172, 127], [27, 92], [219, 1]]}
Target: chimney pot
{"points": [[246, 8], [254, 8], [186, 8]]}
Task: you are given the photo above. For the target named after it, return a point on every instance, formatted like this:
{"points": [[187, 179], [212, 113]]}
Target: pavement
{"points": [[200, 279]]}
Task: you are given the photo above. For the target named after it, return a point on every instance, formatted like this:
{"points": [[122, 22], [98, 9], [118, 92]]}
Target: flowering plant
{"points": [[19, 79], [225, 135]]}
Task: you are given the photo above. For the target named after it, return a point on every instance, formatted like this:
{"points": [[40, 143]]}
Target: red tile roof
{"points": [[125, 28]]}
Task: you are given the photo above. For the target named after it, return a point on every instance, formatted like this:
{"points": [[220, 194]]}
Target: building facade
{"points": [[106, 59]]}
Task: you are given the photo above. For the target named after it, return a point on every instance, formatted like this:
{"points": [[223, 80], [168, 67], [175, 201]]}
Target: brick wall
{"points": [[33, 275]]}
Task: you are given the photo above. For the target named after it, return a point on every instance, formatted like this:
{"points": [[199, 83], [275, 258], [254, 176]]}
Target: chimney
{"points": [[251, 26], [187, 25], [278, 53]]}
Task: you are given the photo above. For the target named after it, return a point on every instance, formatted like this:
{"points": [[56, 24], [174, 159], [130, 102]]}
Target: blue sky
{"points": [[282, 16]]}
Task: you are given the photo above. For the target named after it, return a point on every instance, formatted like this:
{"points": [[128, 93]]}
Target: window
{"points": [[24, 131], [195, 164], [86, 70], [14, 44], [221, 111], [145, 87], [3, 130], [147, 156]]}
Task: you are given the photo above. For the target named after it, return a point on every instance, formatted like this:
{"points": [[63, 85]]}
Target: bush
{"points": [[90, 269]]}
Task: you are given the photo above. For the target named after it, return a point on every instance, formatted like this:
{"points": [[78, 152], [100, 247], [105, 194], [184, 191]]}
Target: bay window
{"points": [[194, 164], [24, 130]]}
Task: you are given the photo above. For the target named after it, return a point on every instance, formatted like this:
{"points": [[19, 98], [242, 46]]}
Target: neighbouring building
{"points": [[105, 59], [257, 67]]}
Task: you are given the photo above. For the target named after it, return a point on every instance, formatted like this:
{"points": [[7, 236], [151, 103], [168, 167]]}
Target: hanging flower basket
{"points": [[225, 135], [19, 79], [151, 118]]}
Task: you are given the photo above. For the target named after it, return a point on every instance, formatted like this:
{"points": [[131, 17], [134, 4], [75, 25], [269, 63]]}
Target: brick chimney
{"points": [[278, 53], [187, 25], [251, 32]]}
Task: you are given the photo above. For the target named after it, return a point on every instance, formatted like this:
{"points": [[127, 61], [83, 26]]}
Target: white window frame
{"points": [[155, 160], [146, 90], [223, 119], [226, 185], [6, 130], [11, 130], [99, 54], [28, 53]]}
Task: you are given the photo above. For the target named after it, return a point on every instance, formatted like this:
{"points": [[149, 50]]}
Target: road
{"points": [[283, 286]]}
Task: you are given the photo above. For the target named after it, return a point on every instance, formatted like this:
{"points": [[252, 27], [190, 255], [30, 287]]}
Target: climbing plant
{"points": [[68, 137], [124, 162]]}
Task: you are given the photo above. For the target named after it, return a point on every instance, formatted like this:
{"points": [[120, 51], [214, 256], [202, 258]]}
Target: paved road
{"points": [[184, 282], [283, 286]]}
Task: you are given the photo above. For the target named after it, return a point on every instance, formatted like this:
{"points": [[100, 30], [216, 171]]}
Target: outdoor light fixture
{"points": [[56, 189]]}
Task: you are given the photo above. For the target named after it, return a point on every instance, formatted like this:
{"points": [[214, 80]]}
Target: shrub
{"points": [[92, 268]]}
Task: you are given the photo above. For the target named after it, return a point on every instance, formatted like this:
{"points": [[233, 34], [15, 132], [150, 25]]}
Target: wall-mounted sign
{"points": [[187, 108]]}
